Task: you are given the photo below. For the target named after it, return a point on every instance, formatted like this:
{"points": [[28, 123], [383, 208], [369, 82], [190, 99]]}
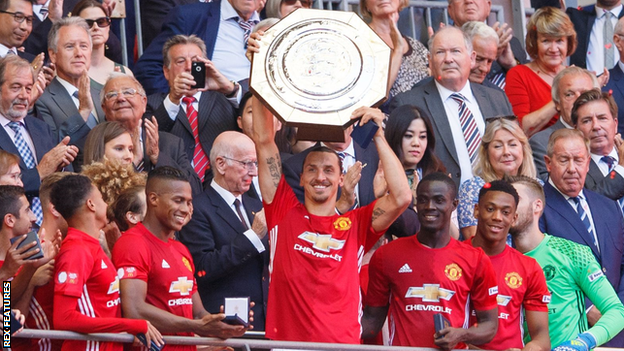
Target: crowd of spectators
{"points": [[491, 197]]}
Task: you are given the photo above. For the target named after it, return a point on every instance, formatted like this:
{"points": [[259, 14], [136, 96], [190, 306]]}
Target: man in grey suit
{"points": [[567, 86], [595, 115], [197, 116], [453, 102], [67, 104]]}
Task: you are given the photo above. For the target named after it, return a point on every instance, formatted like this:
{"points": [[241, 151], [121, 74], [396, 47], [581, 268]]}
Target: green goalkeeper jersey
{"points": [[572, 273]]}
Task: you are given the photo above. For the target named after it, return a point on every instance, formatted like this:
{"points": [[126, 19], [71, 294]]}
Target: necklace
{"points": [[544, 72]]}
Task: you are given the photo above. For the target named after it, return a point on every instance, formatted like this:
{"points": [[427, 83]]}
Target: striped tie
{"points": [[247, 26], [29, 161], [585, 219], [200, 160], [610, 161], [468, 125]]}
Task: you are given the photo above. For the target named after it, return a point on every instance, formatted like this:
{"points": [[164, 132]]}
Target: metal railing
{"points": [[246, 344]]}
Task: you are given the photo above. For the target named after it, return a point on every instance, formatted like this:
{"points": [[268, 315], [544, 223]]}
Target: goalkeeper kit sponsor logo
{"points": [[595, 275]]}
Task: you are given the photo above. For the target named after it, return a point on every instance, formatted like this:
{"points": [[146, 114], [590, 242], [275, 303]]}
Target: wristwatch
{"points": [[234, 91]]}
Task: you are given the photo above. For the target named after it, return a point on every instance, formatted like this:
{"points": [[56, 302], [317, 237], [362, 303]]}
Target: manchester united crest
{"points": [[453, 272], [513, 280], [342, 223]]}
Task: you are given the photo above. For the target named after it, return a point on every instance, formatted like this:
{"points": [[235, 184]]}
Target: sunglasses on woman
{"points": [[304, 3], [101, 22]]}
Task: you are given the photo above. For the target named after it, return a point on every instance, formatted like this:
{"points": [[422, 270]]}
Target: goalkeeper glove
{"points": [[583, 342]]}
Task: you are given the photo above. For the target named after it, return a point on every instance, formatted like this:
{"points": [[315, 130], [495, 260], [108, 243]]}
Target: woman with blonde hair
{"points": [[504, 151]]}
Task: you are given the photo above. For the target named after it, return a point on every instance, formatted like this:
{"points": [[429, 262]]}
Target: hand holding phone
{"points": [[198, 71]]}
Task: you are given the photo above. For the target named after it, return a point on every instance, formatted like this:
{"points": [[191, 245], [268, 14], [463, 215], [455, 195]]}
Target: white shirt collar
{"points": [[466, 91], [225, 194], [68, 86], [564, 195], [4, 50], [5, 121], [615, 11], [613, 153]]}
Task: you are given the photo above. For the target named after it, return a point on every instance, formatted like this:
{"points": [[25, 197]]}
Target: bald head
{"points": [[234, 162]]}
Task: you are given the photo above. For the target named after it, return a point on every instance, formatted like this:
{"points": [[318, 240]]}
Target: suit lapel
{"points": [[439, 119], [558, 203], [485, 106], [182, 117], [591, 18], [224, 210], [7, 145], [61, 98], [39, 148], [594, 172], [205, 107], [95, 94]]}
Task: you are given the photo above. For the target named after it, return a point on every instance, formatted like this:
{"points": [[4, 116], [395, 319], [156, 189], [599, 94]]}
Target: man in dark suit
{"points": [[227, 233], [594, 114], [450, 63], [615, 86], [204, 20], [27, 136], [589, 24], [124, 101], [69, 103], [510, 50], [568, 85], [16, 21], [210, 112], [579, 214]]}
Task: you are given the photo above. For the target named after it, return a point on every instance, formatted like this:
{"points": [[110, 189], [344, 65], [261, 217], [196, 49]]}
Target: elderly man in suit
{"points": [[595, 115], [579, 214], [591, 23], [455, 102], [615, 86], [27, 136], [567, 86], [197, 116], [510, 51], [227, 234], [124, 101], [68, 103], [223, 25]]}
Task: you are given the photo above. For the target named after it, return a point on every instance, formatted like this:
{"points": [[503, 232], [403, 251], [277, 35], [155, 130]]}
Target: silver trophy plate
{"points": [[315, 67]]}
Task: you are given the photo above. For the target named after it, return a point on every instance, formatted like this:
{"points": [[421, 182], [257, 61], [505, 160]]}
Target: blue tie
{"points": [[29, 161], [91, 121], [585, 219], [610, 161]]}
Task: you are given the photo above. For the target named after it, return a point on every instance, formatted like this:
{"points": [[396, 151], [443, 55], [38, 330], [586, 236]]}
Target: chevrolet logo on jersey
{"points": [[503, 300], [430, 293], [182, 286], [322, 242], [114, 286]]}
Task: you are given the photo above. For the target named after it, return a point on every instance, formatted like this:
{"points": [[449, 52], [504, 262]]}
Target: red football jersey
{"points": [[82, 270], [168, 269], [419, 282], [314, 294], [39, 317], [521, 283]]}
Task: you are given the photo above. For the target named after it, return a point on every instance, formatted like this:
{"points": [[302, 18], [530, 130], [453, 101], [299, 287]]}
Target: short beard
{"points": [[15, 115]]}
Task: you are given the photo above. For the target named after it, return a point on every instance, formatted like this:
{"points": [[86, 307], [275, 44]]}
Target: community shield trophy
{"points": [[316, 66]]}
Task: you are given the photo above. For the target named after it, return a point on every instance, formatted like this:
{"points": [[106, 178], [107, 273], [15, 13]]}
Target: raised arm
{"points": [[269, 162], [389, 207]]}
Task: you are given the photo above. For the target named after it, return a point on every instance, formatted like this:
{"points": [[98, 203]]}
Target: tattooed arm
{"points": [[389, 207], [269, 163]]}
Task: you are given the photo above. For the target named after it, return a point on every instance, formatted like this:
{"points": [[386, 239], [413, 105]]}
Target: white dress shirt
{"points": [[595, 47], [452, 111]]}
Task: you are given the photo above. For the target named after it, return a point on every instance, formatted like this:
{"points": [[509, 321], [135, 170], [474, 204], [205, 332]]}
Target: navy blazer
{"points": [[583, 20], [560, 219], [492, 103], [43, 142], [616, 87], [232, 265], [215, 114], [201, 19]]}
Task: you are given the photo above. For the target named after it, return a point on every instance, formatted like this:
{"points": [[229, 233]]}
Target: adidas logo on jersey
{"points": [[104, 266], [405, 269], [165, 264]]}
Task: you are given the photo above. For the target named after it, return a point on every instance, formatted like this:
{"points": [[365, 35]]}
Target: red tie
{"points": [[200, 160]]}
